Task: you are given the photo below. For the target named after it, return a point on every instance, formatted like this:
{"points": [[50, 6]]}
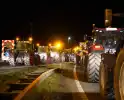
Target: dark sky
{"points": [[53, 19]]}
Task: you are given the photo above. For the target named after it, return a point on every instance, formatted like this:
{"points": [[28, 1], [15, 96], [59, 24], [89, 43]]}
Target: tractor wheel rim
{"points": [[102, 77], [121, 82]]}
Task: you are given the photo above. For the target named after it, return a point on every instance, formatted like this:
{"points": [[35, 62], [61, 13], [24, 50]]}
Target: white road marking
{"points": [[79, 87]]}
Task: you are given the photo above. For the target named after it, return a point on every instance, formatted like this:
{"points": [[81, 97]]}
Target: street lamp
{"points": [[30, 39], [17, 38], [38, 44], [58, 45], [69, 38], [50, 44]]}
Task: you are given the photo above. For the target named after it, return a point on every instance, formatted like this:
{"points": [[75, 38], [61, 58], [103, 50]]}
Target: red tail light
{"points": [[97, 47]]}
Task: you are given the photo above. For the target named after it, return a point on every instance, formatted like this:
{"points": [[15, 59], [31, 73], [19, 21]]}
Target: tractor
{"points": [[43, 53], [105, 62], [23, 54], [111, 72], [20, 55]]}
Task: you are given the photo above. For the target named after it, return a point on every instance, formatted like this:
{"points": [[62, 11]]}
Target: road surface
{"points": [[12, 74], [10, 69], [67, 83]]}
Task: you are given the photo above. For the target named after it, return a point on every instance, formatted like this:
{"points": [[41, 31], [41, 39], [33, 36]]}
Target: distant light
{"points": [[94, 40], [58, 45], [38, 44], [30, 39], [97, 30], [100, 31], [17, 39], [50, 44], [96, 46], [69, 38], [111, 29], [106, 21]]}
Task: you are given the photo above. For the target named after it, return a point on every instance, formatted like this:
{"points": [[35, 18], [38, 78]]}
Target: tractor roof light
{"points": [[121, 31], [111, 29]]}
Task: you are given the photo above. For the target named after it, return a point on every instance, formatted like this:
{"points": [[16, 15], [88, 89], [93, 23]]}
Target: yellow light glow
{"points": [[38, 44], [17, 38], [76, 48], [50, 44], [58, 45], [30, 39]]}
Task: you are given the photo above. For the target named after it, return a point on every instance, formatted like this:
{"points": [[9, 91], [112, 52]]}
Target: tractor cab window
{"points": [[53, 49], [23, 46], [100, 39], [42, 49]]}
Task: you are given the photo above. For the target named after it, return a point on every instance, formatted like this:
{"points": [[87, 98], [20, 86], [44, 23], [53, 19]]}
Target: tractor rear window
{"points": [[102, 37], [42, 49], [22, 46]]}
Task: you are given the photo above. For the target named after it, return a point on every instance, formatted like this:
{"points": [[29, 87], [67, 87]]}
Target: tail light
{"points": [[97, 47]]}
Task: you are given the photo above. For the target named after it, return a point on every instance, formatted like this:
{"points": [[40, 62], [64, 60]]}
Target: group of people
{"points": [[80, 57], [77, 58]]}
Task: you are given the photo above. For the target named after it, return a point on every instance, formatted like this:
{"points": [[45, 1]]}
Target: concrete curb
{"points": [[36, 82]]}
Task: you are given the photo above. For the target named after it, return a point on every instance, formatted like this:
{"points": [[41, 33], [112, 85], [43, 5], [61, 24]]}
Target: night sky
{"points": [[54, 19]]}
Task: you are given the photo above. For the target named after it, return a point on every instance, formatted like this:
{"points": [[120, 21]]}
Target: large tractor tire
{"points": [[11, 60], [119, 76], [106, 81], [26, 59], [93, 65], [103, 78]]}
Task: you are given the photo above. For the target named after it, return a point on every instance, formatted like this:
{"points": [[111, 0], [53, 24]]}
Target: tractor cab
{"points": [[43, 52], [109, 38]]}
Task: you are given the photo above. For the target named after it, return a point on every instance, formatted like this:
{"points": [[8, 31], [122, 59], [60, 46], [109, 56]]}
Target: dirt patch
{"points": [[13, 77]]}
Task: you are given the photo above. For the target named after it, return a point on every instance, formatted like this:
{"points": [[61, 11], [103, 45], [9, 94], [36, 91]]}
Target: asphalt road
{"points": [[10, 69], [91, 89], [2, 63], [68, 83], [85, 90]]}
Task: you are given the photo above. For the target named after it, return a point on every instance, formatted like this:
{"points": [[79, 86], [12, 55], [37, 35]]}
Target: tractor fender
{"points": [[118, 77], [109, 60]]}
